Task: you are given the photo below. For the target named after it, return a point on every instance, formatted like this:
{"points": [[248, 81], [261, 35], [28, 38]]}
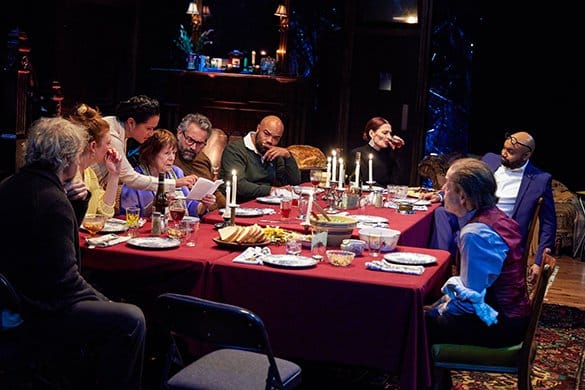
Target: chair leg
{"points": [[441, 379], [524, 382]]}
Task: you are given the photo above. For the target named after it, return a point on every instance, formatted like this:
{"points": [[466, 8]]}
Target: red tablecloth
{"points": [[346, 315], [182, 269], [415, 228]]}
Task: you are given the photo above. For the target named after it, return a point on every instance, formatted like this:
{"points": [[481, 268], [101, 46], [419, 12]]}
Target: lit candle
{"points": [[235, 185], [357, 172], [341, 174], [309, 209], [253, 57], [227, 212], [370, 173], [333, 164], [327, 182]]}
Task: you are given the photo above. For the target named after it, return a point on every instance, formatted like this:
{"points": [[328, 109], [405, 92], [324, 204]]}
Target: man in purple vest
{"points": [[487, 303], [520, 184]]}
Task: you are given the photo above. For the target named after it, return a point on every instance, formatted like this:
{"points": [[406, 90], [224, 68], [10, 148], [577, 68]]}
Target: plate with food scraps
{"points": [[114, 225], [235, 244], [246, 212], [269, 199], [289, 261], [154, 242], [370, 219], [409, 258]]}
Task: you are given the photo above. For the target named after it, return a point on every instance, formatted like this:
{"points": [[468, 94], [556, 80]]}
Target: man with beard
{"points": [[193, 133], [260, 164], [519, 185]]}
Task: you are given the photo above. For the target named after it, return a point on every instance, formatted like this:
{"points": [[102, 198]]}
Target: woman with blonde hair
{"points": [[98, 150]]}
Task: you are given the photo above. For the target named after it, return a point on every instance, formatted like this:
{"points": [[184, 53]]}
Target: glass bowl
{"points": [[340, 258]]}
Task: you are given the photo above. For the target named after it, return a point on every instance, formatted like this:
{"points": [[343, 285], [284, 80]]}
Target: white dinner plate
{"points": [[370, 219], [269, 199], [415, 202], [154, 242], [410, 258], [366, 187], [246, 212], [289, 261]]}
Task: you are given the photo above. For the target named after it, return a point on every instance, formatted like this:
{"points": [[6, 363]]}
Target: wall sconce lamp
{"points": [[281, 12], [196, 20], [283, 15]]}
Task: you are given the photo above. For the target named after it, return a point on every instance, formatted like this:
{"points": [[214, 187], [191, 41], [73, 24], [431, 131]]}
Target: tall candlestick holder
{"points": [[231, 220], [370, 184], [330, 197]]}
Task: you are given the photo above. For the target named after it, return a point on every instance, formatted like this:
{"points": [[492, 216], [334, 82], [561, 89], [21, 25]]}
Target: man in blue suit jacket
{"points": [[520, 184]]}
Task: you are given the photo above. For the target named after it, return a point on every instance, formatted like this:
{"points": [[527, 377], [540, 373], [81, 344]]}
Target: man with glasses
{"points": [[519, 185], [192, 134], [261, 165]]}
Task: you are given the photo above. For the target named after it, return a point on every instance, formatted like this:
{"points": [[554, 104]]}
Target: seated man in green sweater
{"points": [[261, 165]]}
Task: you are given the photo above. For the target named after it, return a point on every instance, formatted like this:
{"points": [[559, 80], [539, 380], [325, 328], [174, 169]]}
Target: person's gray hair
{"points": [[54, 141], [200, 120], [475, 178]]}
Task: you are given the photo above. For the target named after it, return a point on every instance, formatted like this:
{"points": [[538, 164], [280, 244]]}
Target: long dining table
{"points": [[346, 315]]}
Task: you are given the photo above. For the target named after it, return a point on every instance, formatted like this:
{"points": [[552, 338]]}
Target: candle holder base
{"points": [[370, 185], [233, 208]]}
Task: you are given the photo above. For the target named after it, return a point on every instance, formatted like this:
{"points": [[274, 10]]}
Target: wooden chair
{"points": [[514, 359], [241, 356]]}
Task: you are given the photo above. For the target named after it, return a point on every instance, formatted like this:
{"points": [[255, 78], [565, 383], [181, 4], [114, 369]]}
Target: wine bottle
{"points": [[160, 198]]}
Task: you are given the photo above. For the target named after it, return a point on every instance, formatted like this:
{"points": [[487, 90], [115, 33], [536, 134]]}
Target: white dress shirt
{"points": [[508, 184]]}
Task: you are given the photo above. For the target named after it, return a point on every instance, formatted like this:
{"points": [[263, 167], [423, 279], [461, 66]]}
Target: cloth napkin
{"points": [[455, 289], [268, 211], [281, 193], [379, 265], [252, 255], [106, 240]]}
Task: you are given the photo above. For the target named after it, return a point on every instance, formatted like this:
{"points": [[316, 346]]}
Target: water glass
{"points": [[401, 192], [190, 227], [374, 244], [132, 220], [303, 205], [293, 247]]}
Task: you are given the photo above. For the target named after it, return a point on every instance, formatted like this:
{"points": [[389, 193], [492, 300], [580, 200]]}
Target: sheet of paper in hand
{"points": [[203, 187]]}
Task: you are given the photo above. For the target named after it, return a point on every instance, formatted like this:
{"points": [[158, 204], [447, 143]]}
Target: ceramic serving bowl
{"points": [[338, 228], [340, 258], [389, 237]]}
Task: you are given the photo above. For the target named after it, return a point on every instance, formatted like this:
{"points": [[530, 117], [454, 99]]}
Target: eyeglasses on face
{"points": [[190, 141], [514, 141]]}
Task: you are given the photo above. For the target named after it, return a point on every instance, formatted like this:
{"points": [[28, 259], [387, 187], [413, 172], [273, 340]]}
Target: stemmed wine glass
{"points": [[177, 209], [94, 223], [315, 177]]}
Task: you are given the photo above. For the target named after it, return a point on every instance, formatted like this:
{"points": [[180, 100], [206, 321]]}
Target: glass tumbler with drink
{"points": [[133, 220], [285, 208]]}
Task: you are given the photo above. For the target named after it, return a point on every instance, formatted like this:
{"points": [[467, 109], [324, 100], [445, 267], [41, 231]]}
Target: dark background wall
{"points": [[526, 67]]}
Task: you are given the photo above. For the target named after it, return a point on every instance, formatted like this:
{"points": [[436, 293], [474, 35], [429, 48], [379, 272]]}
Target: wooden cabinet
{"points": [[233, 102]]}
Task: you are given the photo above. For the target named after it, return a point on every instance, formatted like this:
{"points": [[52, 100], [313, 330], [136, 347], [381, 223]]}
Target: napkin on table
{"points": [[379, 265], [252, 255], [106, 240]]}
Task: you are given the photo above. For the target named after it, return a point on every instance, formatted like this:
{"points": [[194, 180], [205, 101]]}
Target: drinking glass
{"points": [[132, 220], [94, 223], [293, 247], [285, 208], [297, 195], [374, 243], [303, 205], [191, 226], [401, 192], [177, 209], [315, 177]]}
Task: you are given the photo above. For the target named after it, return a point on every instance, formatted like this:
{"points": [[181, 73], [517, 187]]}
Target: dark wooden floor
{"points": [[568, 286]]}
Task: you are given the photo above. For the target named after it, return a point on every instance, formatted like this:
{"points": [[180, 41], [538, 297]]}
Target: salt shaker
{"points": [[157, 224]]}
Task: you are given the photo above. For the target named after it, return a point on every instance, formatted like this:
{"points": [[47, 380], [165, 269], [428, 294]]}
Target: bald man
{"points": [[519, 185], [261, 165]]}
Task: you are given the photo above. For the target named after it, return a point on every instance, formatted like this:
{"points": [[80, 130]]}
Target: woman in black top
{"points": [[381, 143]]}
